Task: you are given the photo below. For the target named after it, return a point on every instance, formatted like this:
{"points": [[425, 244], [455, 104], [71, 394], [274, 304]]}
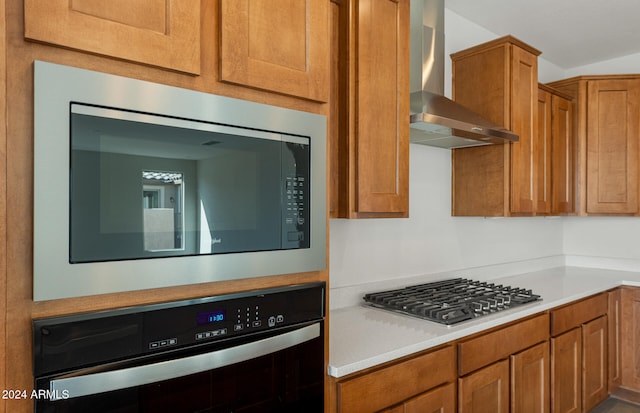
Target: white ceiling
{"points": [[569, 33]]}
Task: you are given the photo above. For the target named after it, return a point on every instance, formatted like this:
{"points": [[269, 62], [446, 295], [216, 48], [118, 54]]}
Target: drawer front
{"points": [[574, 315], [441, 400], [390, 385], [500, 344]]}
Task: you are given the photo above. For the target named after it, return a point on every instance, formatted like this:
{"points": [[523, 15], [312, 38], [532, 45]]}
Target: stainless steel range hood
{"points": [[435, 119]]}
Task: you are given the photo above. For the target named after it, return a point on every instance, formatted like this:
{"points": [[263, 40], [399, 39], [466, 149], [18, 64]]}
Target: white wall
{"points": [[611, 237], [461, 34], [431, 241], [620, 65]]}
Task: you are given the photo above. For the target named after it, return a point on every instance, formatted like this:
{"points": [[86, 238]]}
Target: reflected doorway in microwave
{"points": [[162, 219]]}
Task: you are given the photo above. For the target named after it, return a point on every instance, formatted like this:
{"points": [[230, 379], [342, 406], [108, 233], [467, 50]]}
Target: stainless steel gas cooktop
{"points": [[451, 301]]}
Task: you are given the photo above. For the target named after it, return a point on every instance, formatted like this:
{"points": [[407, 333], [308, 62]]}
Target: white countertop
{"points": [[363, 337]]}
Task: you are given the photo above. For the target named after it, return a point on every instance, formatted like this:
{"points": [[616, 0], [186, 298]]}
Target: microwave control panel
{"points": [[295, 193]]}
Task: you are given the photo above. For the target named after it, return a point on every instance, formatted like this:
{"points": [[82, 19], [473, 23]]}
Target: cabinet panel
{"points": [[481, 78], [566, 372], [612, 146], [479, 178], [485, 391], [480, 175], [595, 371], [164, 33], [530, 380], [440, 400], [277, 45]]}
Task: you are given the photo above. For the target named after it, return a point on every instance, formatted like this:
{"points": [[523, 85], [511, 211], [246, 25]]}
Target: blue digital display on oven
{"points": [[210, 317]]}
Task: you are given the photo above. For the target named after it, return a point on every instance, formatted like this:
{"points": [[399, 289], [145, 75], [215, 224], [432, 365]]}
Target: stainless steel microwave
{"points": [[140, 185]]}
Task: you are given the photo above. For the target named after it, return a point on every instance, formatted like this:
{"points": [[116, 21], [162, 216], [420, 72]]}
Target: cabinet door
{"points": [[440, 400], [485, 391], [542, 171], [595, 372], [382, 109], [524, 92], [614, 319], [164, 33], [530, 380], [562, 155], [276, 45], [612, 146], [566, 372], [373, 140]]}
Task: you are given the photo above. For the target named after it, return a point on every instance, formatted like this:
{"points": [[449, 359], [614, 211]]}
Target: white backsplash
{"points": [[431, 243]]}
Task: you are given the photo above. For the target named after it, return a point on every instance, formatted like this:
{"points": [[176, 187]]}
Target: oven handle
{"points": [[70, 387]]}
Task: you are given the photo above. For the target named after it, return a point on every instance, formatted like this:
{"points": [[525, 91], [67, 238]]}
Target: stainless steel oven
{"points": [[259, 351]]}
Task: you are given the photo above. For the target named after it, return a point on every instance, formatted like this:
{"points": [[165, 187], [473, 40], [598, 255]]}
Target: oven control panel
{"points": [[213, 320], [149, 329]]}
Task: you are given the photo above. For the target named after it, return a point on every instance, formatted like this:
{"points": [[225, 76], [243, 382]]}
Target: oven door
{"points": [[279, 372]]}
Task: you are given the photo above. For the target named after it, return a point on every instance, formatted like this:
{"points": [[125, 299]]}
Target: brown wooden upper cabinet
{"points": [[163, 33], [370, 107], [498, 80], [607, 129], [276, 45]]}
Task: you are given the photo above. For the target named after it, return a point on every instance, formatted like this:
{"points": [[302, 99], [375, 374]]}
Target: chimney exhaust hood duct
{"points": [[435, 119]]}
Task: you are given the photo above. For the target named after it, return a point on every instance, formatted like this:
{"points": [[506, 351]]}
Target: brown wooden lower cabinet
{"points": [[580, 375], [517, 368], [579, 355], [519, 384]]}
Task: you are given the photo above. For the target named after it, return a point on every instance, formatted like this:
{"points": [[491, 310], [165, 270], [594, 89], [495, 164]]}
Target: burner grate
{"points": [[451, 301]]}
